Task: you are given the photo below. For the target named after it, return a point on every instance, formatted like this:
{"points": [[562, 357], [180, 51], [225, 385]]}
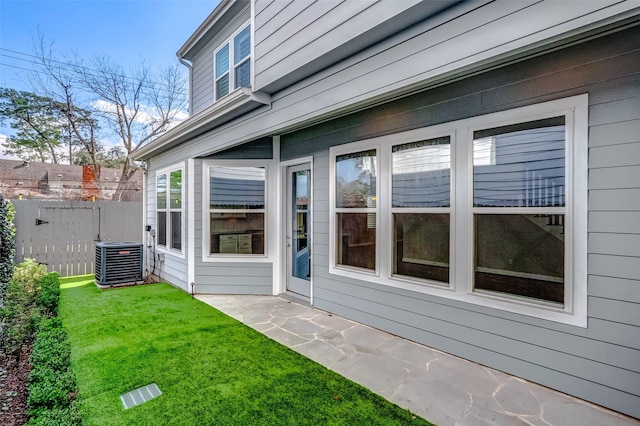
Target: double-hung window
{"points": [[519, 209], [356, 215], [236, 197], [420, 208], [489, 210], [232, 63], [169, 209]]}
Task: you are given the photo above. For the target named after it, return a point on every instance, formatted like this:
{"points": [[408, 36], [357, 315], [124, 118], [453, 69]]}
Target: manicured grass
{"points": [[212, 369]]}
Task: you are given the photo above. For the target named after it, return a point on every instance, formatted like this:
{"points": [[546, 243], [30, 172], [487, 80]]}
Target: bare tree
{"points": [[135, 108], [57, 79]]}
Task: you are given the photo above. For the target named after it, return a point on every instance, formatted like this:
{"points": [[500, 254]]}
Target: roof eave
{"points": [[235, 104], [209, 22]]}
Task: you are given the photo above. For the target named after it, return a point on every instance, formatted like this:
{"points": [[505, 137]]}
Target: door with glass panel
{"points": [[298, 233]]}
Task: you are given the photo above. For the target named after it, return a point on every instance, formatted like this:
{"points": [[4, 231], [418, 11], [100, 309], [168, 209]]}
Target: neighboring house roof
{"points": [[33, 179]]}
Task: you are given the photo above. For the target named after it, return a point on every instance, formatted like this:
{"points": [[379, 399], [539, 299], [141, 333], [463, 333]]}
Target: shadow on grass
{"points": [[211, 368]]}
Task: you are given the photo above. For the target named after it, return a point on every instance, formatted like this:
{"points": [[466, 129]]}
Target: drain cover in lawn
{"points": [[140, 395]]}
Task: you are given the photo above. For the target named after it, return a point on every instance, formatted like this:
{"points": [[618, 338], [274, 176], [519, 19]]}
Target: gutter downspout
{"points": [[191, 276], [190, 67]]}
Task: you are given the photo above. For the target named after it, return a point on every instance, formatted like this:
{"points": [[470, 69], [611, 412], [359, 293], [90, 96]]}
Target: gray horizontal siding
{"points": [[615, 177], [296, 38], [225, 277], [614, 133], [174, 268], [616, 222], [557, 379], [424, 54], [234, 278], [600, 363], [202, 74]]}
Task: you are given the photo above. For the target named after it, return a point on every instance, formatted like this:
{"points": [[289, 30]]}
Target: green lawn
{"points": [[212, 369]]}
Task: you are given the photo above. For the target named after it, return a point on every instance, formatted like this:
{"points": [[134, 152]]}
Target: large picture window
{"points": [[236, 210], [169, 208], [490, 210], [232, 63]]}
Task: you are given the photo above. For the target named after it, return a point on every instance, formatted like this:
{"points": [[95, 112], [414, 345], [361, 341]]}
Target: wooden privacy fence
{"points": [[63, 234]]}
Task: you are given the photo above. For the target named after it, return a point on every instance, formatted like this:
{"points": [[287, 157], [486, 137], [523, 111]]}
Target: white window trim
{"points": [[206, 231], [460, 287], [167, 249], [232, 66]]}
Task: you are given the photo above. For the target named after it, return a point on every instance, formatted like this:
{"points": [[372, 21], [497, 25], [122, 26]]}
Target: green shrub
{"points": [[60, 416], [51, 349], [29, 275], [18, 324], [49, 295], [49, 388], [21, 314], [52, 386], [7, 244]]}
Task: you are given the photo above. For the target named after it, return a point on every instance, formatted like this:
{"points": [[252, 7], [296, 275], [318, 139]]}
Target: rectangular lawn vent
{"points": [[140, 395]]}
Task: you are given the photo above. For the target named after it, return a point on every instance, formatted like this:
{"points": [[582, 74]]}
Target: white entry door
{"points": [[298, 235]]}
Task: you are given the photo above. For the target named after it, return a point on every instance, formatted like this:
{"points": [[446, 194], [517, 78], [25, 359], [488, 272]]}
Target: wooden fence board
{"points": [[62, 234]]}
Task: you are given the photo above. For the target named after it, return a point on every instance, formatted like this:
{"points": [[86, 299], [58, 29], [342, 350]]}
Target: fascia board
{"points": [[232, 106], [202, 30]]}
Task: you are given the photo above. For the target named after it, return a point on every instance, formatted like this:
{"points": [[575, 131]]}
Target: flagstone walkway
{"points": [[439, 387]]}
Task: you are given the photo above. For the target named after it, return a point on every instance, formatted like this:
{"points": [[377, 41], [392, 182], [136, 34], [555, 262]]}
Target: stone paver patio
{"points": [[442, 388]]}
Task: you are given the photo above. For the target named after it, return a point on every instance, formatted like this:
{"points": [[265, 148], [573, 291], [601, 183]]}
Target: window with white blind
{"points": [[235, 196], [232, 63], [489, 210]]}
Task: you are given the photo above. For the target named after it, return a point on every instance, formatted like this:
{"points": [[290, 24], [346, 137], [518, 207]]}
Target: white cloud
{"points": [[146, 115]]}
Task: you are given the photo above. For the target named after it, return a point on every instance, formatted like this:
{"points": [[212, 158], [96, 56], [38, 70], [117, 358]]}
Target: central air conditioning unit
{"points": [[118, 263]]}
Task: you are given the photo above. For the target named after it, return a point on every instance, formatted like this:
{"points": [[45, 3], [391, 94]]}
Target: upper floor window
{"points": [[232, 63]]}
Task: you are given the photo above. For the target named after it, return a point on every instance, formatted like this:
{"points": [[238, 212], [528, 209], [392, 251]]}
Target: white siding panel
{"points": [[614, 133], [615, 177], [615, 288], [202, 95], [615, 155], [613, 112], [614, 199], [280, 19], [615, 222], [298, 28], [615, 310], [261, 5], [615, 244], [614, 266], [265, 10]]}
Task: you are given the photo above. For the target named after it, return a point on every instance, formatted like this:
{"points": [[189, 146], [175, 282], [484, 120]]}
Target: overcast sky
{"points": [[124, 30]]}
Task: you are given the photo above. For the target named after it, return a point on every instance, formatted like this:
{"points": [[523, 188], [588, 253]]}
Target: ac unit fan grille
{"points": [[118, 263]]}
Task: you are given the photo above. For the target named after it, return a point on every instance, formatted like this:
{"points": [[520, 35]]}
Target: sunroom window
{"points": [[420, 201], [236, 210], [489, 210], [519, 209], [356, 209]]}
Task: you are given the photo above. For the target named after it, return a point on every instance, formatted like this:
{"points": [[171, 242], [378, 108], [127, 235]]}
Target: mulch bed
{"points": [[14, 372]]}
